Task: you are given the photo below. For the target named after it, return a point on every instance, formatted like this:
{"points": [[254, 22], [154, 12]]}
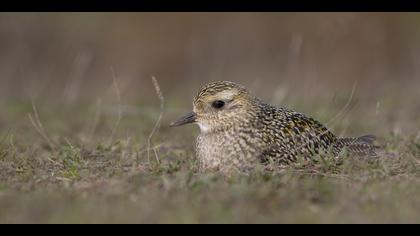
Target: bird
{"points": [[239, 131]]}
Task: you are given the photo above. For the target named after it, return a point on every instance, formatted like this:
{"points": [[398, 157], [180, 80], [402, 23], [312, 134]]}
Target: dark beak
{"points": [[188, 118]]}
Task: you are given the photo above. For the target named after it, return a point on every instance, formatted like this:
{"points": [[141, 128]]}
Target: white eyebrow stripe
{"points": [[227, 95]]}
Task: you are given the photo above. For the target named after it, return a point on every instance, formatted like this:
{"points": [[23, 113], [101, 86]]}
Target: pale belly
{"points": [[226, 153]]}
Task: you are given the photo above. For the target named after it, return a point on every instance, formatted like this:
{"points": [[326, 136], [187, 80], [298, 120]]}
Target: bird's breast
{"points": [[226, 150]]}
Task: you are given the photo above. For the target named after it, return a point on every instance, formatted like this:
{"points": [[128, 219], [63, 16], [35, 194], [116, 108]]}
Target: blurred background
{"points": [[78, 111], [285, 58]]}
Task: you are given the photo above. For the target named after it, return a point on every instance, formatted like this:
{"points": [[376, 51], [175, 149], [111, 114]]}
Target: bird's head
{"points": [[218, 106]]}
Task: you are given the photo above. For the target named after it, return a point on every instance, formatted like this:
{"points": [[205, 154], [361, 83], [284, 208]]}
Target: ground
{"points": [[93, 164]]}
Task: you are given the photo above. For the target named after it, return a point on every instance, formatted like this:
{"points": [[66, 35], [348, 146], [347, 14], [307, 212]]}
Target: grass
{"points": [[85, 177]]}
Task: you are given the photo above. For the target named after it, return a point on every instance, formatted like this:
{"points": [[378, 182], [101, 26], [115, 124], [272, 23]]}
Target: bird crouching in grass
{"points": [[239, 131]]}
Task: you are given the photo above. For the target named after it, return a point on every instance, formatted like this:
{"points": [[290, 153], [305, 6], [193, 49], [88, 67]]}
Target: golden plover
{"points": [[238, 130]]}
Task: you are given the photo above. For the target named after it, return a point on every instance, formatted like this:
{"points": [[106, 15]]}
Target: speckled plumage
{"points": [[247, 131]]}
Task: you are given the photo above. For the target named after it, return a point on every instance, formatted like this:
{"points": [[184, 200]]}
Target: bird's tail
{"points": [[360, 146]]}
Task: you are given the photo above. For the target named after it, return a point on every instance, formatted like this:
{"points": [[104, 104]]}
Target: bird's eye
{"points": [[218, 104]]}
